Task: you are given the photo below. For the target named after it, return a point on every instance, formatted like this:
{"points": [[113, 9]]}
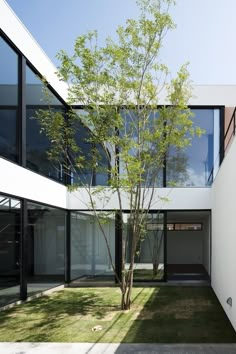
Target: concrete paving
{"points": [[115, 348]]}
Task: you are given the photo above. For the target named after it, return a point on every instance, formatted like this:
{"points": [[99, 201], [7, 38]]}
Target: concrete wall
{"points": [[224, 233]]}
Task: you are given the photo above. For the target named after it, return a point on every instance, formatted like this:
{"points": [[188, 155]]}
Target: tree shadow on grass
{"points": [[181, 315], [46, 315]]}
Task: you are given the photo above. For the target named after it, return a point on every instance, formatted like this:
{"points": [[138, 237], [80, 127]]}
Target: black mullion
{"points": [[22, 110], [165, 245], [23, 251], [164, 160], [222, 134], [118, 244], [68, 248]]}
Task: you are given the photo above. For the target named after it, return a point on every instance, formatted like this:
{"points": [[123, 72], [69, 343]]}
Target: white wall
{"points": [[178, 198], [24, 183], [21, 182], [224, 233]]}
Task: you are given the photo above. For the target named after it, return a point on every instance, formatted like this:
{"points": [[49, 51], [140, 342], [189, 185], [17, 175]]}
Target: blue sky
{"points": [[205, 34]]}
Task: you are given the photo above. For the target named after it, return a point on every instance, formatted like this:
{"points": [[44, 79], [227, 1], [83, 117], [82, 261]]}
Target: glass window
{"points": [[37, 143], [149, 258], [9, 249], [192, 166], [8, 75], [101, 168], [188, 227], [153, 175], [46, 247], [8, 102], [83, 175], [36, 92], [8, 134], [87, 174], [89, 255]]}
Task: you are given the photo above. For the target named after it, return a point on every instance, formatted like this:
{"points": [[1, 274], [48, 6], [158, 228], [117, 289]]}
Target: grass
{"points": [[147, 274], [158, 315]]}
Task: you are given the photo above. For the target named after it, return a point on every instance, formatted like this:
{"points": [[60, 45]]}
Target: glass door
{"points": [[149, 255]]}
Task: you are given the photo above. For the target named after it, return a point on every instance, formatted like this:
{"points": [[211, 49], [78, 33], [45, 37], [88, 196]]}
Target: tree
{"points": [[118, 85]]}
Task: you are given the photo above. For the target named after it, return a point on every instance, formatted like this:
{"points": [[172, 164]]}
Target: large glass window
{"points": [[149, 257], [37, 143], [192, 166], [46, 247], [89, 255], [85, 174], [153, 174], [94, 170], [8, 102], [9, 249], [102, 167]]}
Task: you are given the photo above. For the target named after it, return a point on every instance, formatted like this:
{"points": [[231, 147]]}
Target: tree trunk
{"points": [[126, 294], [155, 269], [125, 305]]}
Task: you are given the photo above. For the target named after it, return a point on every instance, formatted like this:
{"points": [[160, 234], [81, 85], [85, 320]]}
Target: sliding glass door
{"points": [[149, 255]]}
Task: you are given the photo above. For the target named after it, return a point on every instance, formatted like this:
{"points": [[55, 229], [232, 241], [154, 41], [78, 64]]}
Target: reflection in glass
{"points": [[188, 226], [46, 247], [8, 75], [101, 168], [37, 149], [8, 134], [153, 175], [37, 143], [149, 258], [94, 169], [36, 93], [83, 175], [191, 166], [8, 102], [9, 250], [89, 256]]}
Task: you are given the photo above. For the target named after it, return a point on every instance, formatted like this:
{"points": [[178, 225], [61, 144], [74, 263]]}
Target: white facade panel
{"points": [[178, 199], [23, 183], [208, 95], [224, 234], [213, 95]]}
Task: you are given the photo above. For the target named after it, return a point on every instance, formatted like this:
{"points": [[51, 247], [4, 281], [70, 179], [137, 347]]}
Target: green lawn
{"points": [[147, 274], [160, 315]]}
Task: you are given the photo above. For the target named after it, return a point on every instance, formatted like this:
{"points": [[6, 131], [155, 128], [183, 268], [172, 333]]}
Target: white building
{"points": [[47, 237]]}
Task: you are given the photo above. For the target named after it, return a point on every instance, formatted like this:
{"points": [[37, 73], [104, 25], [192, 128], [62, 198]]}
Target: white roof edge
{"points": [[214, 95], [203, 95]]}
